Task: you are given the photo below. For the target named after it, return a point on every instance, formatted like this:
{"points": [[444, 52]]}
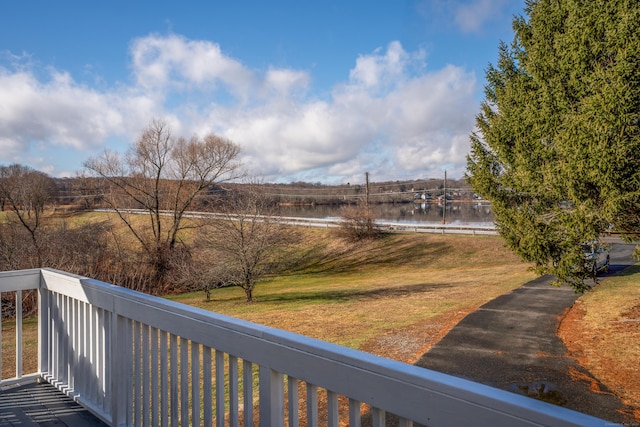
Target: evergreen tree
{"points": [[557, 147]]}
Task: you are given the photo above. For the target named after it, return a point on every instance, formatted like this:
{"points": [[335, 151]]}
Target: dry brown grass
{"points": [[394, 296], [602, 331]]}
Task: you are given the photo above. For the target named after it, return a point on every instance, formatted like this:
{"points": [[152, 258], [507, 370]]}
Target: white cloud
{"points": [[285, 82], [57, 111], [430, 117], [384, 69], [392, 117], [469, 16], [161, 62], [473, 16], [384, 120]]}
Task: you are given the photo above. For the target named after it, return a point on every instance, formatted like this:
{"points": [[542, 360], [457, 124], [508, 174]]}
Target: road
{"points": [[511, 343]]}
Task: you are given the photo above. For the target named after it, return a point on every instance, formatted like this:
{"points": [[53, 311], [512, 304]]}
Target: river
{"points": [[457, 213]]}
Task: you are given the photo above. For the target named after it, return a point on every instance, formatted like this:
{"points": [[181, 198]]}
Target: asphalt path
{"points": [[511, 343]]}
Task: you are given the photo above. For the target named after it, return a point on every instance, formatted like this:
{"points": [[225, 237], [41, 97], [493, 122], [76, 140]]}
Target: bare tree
{"points": [[27, 192], [161, 176], [358, 222], [86, 190], [246, 242]]}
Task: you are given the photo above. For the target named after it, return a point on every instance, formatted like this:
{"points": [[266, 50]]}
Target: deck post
{"points": [[271, 393], [43, 331]]}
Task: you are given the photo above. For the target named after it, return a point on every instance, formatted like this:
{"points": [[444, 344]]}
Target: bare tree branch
{"points": [[163, 175]]}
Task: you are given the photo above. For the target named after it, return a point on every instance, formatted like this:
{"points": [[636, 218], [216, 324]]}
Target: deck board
{"points": [[41, 404]]}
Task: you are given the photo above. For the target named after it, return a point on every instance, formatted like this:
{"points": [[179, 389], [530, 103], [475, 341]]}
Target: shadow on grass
{"points": [[354, 294], [387, 250]]}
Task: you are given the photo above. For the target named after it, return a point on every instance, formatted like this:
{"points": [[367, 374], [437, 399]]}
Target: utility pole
{"points": [[366, 180], [444, 196], [367, 206]]}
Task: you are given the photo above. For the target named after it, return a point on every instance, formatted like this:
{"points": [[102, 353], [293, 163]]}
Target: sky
{"points": [[314, 91]]}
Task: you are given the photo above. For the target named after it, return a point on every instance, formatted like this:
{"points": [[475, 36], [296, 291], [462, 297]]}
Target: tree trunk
{"points": [[248, 291]]}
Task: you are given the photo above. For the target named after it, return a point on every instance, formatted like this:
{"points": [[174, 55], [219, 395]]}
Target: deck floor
{"points": [[41, 404]]}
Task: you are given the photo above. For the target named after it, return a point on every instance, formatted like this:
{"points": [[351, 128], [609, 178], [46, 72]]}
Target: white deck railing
{"points": [[134, 359]]}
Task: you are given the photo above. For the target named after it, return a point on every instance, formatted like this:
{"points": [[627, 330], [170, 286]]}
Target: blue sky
{"points": [[311, 91]]}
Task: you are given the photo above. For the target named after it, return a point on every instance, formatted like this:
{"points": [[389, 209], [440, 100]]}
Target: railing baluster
{"points": [[90, 367], [247, 388], [154, 377], [99, 329], [164, 379], [59, 375], [78, 343], [137, 388], [220, 397], [174, 381], [85, 377], [43, 332], [104, 353], [64, 377], [73, 343], [94, 369], [81, 376], [292, 392], [61, 339], [70, 356], [51, 326], [354, 413], [18, 334], [121, 379], [195, 384], [233, 391], [405, 423], [184, 382], [332, 409], [145, 392], [379, 417], [207, 386], [271, 397], [55, 342], [312, 405]]}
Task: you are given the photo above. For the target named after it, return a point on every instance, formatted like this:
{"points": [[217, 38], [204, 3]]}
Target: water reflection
{"points": [[462, 213]]}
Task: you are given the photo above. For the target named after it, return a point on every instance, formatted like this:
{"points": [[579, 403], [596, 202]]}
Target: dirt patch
{"points": [[409, 343], [584, 343]]}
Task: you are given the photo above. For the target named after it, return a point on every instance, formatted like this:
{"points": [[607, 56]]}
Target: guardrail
{"points": [[386, 225], [135, 359], [394, 226]]}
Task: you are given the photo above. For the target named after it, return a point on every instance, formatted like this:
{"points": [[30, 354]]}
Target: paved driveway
{"points": [[511, 343]]}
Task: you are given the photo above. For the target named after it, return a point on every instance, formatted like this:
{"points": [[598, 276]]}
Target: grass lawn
{"points": [[30, 347], [393, 297], [602, 331]]}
